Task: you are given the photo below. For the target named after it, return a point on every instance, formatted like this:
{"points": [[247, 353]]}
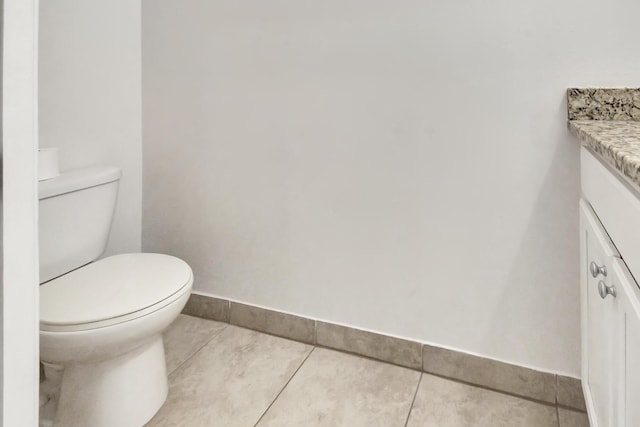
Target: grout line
{"points": [[364, 356], [557, 409], [281, 390], [508, 393], [569, 408], [315, 332], [199, 348], [271, 334], [413, 401]]}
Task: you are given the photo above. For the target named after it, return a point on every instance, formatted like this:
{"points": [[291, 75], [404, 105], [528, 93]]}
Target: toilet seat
{"points": [[112, 290]]}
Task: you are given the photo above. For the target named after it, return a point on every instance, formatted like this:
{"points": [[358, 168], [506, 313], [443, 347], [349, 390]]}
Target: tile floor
{"points": [[223, 375]]}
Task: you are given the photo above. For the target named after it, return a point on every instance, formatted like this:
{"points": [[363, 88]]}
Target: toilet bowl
{"points": [[101, 320], [102, 325]]}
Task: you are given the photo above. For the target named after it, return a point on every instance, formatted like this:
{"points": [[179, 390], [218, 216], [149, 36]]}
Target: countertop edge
{"points": [[623, 157]]}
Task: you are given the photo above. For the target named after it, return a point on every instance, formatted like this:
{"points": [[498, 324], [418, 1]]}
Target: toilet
{"points": [[101, 322]]}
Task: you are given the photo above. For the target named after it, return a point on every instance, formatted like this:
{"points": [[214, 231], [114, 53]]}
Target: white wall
{"points": [[19, 215], [1, 231], [90, 97], [402, 167]]}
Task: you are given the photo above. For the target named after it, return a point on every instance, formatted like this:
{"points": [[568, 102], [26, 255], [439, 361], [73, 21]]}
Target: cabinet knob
{"points": [[605, 290], [596, 269]]}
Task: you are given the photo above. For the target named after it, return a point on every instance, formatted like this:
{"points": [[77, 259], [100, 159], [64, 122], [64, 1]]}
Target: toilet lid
{"points": [[112, 287]]}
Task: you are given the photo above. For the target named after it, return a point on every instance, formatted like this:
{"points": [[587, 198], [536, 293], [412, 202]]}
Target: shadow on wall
{"points": [[552, 298]]}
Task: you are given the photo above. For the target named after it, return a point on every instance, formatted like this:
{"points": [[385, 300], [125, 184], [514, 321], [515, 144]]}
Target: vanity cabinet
{"points": [[610, 296], [598, 318], [627, 351]]}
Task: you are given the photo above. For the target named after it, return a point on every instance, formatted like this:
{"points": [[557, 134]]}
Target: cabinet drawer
{"points": [[617, 205]]}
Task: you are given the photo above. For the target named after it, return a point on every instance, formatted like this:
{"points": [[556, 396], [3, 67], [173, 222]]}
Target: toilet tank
{"points": [[76, 210]]}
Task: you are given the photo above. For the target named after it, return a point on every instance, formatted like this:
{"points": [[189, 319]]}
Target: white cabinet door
{"points": [[598, 319], [628, 346]]}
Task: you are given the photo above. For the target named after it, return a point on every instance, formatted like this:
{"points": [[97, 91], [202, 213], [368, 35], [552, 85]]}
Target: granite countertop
{"points": [[608, 122]]}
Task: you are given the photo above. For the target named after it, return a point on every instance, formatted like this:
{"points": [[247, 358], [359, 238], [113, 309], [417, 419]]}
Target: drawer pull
{"points": [[595, 269], [605, 290]]}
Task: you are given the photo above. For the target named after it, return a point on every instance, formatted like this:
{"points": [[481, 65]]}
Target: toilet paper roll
{"points": [[47, 163]]}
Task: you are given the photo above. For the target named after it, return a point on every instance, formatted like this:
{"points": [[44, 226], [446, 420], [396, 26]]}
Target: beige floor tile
{"points": [[335, 389], [231, 381], [445, 403], [572, 418], [186, 336]]}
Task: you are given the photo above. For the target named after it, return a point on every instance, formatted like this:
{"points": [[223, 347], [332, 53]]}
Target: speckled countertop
{"points": [[608, 122]]}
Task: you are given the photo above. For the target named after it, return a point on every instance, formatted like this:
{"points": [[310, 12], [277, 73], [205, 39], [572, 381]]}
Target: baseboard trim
{"points": [[513, 379]]}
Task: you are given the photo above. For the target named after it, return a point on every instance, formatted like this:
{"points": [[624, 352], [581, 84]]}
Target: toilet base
{"points": [[125, 391]]}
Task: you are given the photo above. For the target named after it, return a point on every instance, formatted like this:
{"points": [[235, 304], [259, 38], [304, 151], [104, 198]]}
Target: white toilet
{"points": [[101, 322]]}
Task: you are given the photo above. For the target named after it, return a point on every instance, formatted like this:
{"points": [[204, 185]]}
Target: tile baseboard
{"points": [[488, 373], [570, 394], [492, 374], [273, 322], [208, 308], [388, 349]]}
